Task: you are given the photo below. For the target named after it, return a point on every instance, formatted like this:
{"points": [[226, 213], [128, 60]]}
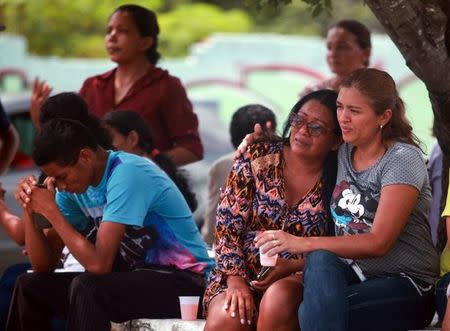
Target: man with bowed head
{"points": [[115, 212]]}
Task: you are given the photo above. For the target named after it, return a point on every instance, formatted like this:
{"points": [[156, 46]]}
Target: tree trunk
{"points": [[419, 28], [421, 31]]}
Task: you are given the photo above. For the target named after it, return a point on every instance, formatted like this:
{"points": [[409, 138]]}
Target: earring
{"points": [[381, 126]]}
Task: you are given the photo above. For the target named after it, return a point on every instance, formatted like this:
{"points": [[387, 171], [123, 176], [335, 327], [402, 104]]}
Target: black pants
{"points": [[90, 302]]}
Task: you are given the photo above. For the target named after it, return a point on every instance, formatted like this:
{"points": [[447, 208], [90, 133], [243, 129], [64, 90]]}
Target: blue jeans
{"points": [[335, 299], [441, 295], [7, 282]]}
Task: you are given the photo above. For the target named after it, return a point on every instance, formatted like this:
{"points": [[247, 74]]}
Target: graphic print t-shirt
{"points": [[136, 192], [355, 202]]}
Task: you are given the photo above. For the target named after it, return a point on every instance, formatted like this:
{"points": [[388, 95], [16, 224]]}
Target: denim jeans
{"points": [[441, 295], [335, 299], [7, 282]]}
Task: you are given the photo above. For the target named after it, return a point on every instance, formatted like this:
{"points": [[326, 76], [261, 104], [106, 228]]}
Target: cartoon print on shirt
{"points": [[348, 210]]}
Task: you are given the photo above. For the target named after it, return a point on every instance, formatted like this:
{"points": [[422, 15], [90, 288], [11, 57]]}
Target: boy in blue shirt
{"points": [[122, 218]]}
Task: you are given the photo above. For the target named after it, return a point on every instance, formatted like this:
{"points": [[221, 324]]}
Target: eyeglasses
{"points": [[314, 129]]}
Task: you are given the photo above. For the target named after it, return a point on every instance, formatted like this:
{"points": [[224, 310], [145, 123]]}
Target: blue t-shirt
{"points": [[136, 192]]}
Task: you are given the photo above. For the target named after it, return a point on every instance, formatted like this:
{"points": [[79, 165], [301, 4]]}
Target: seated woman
{"points": [[378, 272], [277, 185], [130, 133]]}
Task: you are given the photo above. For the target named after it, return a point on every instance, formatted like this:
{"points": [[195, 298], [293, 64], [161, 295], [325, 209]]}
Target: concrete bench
{"points": [[178, 325], [198, 325], [159, 325]]}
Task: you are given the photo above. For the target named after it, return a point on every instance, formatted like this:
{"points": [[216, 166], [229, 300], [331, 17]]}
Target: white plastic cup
{"points": [[189, 307], [267, 261]]}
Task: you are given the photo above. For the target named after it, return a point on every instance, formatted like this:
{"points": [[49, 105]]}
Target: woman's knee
{"points": [[220, 319], [281, 299]]}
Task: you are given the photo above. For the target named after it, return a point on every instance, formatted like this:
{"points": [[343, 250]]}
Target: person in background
{"points": [[348, 48], [286, 185], [242, 122], [435, 175], [9, 139], [116, 213], [130, 133], [137, 83], [379, 271], [9, 142], [443, 284]]}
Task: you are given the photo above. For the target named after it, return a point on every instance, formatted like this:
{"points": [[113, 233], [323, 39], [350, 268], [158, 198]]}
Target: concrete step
{"points": [[178, 325], [159, 325]]}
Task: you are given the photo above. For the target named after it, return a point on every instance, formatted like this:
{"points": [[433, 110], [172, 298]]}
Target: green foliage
{"points": [[75, 28], [61, 27], [319, 6], [263, 3], [296, 17], [192, 23]]}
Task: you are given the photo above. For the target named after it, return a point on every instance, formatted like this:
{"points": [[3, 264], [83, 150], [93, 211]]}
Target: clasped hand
{"points": [[34, 198]]}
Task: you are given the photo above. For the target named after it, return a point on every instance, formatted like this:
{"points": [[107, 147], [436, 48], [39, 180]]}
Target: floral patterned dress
{"points": [[253, 201]]}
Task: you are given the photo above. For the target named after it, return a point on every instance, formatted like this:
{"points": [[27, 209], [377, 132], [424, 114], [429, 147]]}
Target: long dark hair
{"points": [[124, 122], [147, 25], [328, 99]]}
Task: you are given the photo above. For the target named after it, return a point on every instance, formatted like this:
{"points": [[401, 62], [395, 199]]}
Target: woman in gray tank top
{"points": [[378, 272]]}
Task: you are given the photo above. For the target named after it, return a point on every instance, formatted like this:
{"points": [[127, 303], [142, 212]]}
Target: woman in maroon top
{"points": [[136, 83]]}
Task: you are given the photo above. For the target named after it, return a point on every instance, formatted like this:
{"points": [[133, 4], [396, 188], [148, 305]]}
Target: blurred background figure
{"points": [[348, 48], [435, 176], [9, 141], [136, 83], [130, 133], [242, 123]]}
